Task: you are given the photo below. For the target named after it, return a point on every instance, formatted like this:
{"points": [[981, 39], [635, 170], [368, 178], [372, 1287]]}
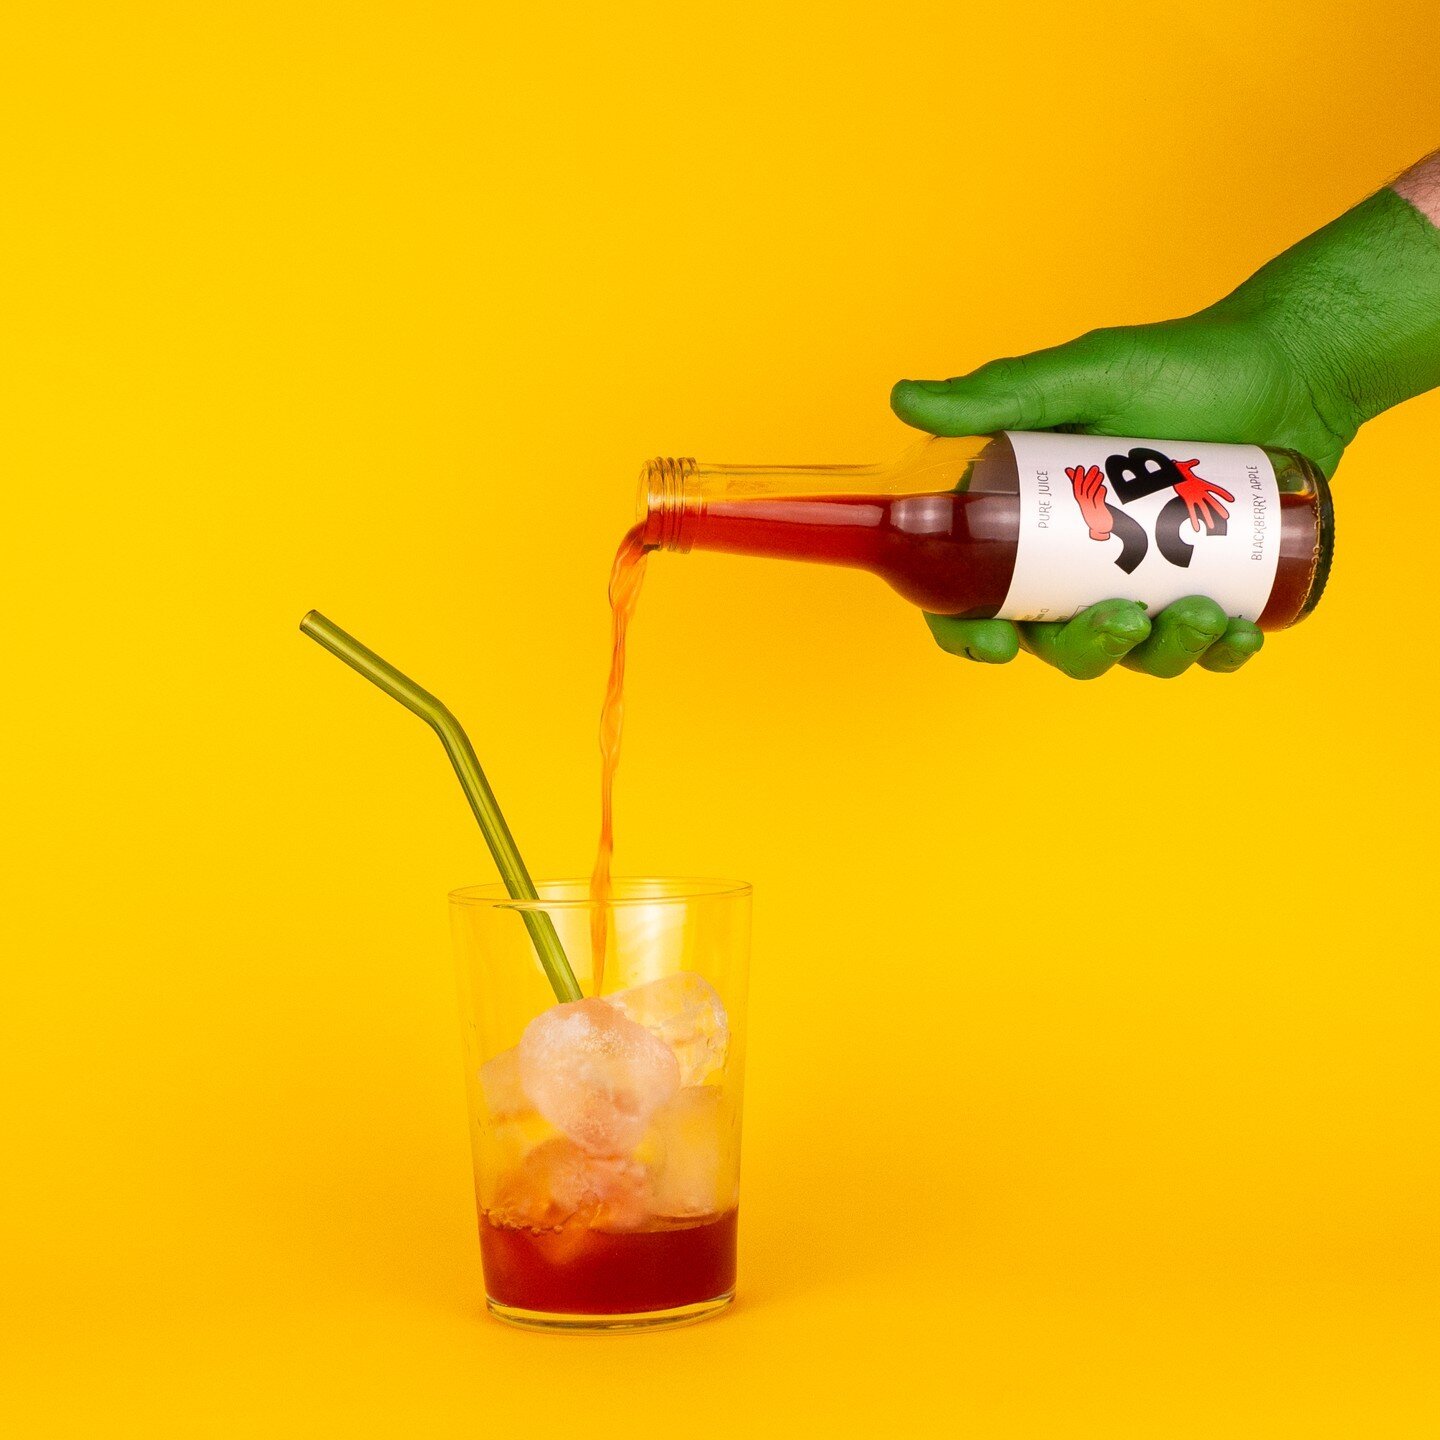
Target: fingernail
{"points": [[1193, 641], [1127, 627], [931, 387], [1226, 659]]}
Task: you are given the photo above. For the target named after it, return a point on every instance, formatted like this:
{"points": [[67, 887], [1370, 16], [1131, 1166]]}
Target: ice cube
{"points": [[685, 1012], [559, 1182], [595, 1075], [501, 1087], [693, 1150], [503, 1145]]}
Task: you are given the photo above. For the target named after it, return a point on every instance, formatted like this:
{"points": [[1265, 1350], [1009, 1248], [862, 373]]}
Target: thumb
{"points": [[1067, 385]]}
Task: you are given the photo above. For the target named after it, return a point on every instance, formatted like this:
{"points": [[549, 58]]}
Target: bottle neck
{"points": [[683, 503], [823, 512]]}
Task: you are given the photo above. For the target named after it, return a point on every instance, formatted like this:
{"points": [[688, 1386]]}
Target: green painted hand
{"points": [[1339, 327]]}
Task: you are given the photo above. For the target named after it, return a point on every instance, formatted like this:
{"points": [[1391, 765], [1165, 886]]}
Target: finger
{"points": [[1241, 640], [1181, 634], [1088, 645], [1067, 385], [991, 642]]}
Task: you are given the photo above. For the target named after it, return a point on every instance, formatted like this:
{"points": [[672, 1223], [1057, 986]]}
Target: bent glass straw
{"points": [[518, 884]]}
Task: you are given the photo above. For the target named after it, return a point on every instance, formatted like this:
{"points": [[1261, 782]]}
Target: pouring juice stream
{"points": [[626, 576]]}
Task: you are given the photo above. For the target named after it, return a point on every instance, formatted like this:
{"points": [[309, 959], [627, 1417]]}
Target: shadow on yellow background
{"points": [[1093, 1070]]}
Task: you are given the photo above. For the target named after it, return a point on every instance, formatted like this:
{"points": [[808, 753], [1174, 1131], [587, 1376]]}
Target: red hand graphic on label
{"points": [[1089, 488], [1200, 497]]}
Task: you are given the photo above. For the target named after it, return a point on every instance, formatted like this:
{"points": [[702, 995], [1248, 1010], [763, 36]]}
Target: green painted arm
{"points": [[1338, 328]]}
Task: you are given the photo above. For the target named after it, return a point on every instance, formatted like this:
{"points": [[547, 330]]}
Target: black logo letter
{"points": [[1142, 472]]}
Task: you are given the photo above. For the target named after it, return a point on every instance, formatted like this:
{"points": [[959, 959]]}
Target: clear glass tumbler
{"points": [[606, 1132]]}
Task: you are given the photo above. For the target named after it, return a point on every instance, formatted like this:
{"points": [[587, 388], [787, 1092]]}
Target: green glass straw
{"points": [[518, 884]]}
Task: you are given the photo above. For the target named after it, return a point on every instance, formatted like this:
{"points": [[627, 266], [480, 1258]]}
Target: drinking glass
{"points": [[606, 1132]]}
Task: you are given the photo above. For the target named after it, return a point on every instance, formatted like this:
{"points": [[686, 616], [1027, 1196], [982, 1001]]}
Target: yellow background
{"points": [[1093, 1068]]}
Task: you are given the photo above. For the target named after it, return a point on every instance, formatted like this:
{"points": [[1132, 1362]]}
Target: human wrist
{"points": [[1420, 185]]}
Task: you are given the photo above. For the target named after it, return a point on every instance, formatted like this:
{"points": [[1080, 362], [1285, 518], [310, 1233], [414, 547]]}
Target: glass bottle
{"points": [[1025, 525]]}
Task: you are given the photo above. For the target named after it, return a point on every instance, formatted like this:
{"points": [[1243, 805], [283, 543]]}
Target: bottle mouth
{"points": [[666, 504]]}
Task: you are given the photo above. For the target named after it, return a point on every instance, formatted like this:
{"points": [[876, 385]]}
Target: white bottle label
{"points": [[1105, 518]]}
